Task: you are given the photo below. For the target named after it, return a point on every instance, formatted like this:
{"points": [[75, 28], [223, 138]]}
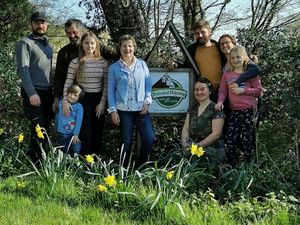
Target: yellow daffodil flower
{"points": [[39, 132], [40, 135], [195, 150], [1, 131], [21, 138], [21, 184], [110, 181], [170, 175], [89, 158], [102, 188], [38, 128]]}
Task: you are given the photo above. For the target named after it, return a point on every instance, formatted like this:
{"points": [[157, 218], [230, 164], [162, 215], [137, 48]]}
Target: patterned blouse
{"points": [[201, 127]]}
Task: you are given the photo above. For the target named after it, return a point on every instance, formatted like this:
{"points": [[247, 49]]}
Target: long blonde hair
{"points": [[79, 73], [241, 51]]}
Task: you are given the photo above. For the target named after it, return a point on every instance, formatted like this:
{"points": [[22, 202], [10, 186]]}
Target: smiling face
{"points": [[202, 35], [89, 45], [73, 97], [201, 91], [39, 27], [236, 60], [127, 49], [226, 45], [73, 34]]}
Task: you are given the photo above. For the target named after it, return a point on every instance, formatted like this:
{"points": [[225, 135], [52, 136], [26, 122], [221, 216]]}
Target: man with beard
{"points": [[207, 56], [74, 29], [34, 62]]}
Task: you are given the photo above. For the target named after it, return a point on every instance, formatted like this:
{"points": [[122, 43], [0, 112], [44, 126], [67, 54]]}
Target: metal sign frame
{"points": [[172, 91]]}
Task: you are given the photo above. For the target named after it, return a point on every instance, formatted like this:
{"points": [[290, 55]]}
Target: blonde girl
{"points": [[243, 103], [90, 71]]}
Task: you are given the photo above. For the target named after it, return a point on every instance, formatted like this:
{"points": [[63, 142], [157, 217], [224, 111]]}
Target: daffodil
{"points": [[170, 175], [102, 188], [38, 128], [89, 158], [39, 132], [21, 138], [110, 181], [1, 131], [21, 184], [195, 150]]}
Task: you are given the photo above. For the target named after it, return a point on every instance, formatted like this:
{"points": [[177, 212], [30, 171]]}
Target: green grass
{"points": [[18, 210]]}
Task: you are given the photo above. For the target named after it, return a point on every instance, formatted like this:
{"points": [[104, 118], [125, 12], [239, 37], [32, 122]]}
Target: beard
{"points": [[75, 41], [38, 33], [201, 41]]}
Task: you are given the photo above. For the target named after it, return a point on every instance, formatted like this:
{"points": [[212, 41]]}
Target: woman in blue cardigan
{"points": [[129, 97]]}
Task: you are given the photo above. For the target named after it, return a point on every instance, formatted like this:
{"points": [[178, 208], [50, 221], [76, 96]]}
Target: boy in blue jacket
{"points": [[68, 128]]}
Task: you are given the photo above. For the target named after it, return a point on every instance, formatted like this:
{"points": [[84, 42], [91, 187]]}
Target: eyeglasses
{"points": [[225, 43]]}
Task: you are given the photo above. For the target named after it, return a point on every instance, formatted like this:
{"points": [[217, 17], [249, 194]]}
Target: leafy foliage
{"points": [[14, 20]]}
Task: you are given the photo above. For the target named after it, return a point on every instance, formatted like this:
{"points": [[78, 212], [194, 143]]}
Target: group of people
{"points": [[80, 89], [226, 93], [84, 86]]}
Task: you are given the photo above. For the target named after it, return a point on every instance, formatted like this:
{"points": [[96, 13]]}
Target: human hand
{"points": [[55, 105], [232, 86], [254, 58], [115, 118], [219, 106], [76, 140], [237, 91], [145, 109], [172, 66], [35, 100], [67, 108], [100, 109]]}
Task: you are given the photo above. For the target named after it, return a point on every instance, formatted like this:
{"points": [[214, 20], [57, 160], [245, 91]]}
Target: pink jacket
{"points": [[246, 100]]}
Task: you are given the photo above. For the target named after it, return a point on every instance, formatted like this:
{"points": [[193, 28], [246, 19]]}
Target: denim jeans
{"points": [[144, 126], [65, 139]]}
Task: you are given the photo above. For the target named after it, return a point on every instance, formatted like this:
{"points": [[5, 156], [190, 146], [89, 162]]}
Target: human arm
{"points": [[23, 52], [185, 133], [217, 126], [223, 89], [59, 79], [111, 96], [148, 89], [100, 108], [69, 81], [79, 117], [255, 88], [251, 71]]}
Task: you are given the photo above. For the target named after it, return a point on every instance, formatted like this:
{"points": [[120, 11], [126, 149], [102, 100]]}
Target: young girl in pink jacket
{"points": [[242, 103]]}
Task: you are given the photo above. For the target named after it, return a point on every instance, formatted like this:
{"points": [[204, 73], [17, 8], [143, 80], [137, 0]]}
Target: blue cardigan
{"points": [[118, 84]]}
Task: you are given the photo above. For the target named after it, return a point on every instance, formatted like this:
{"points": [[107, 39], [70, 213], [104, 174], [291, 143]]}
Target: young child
{"points": [[242, 102], [68, 127]]}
